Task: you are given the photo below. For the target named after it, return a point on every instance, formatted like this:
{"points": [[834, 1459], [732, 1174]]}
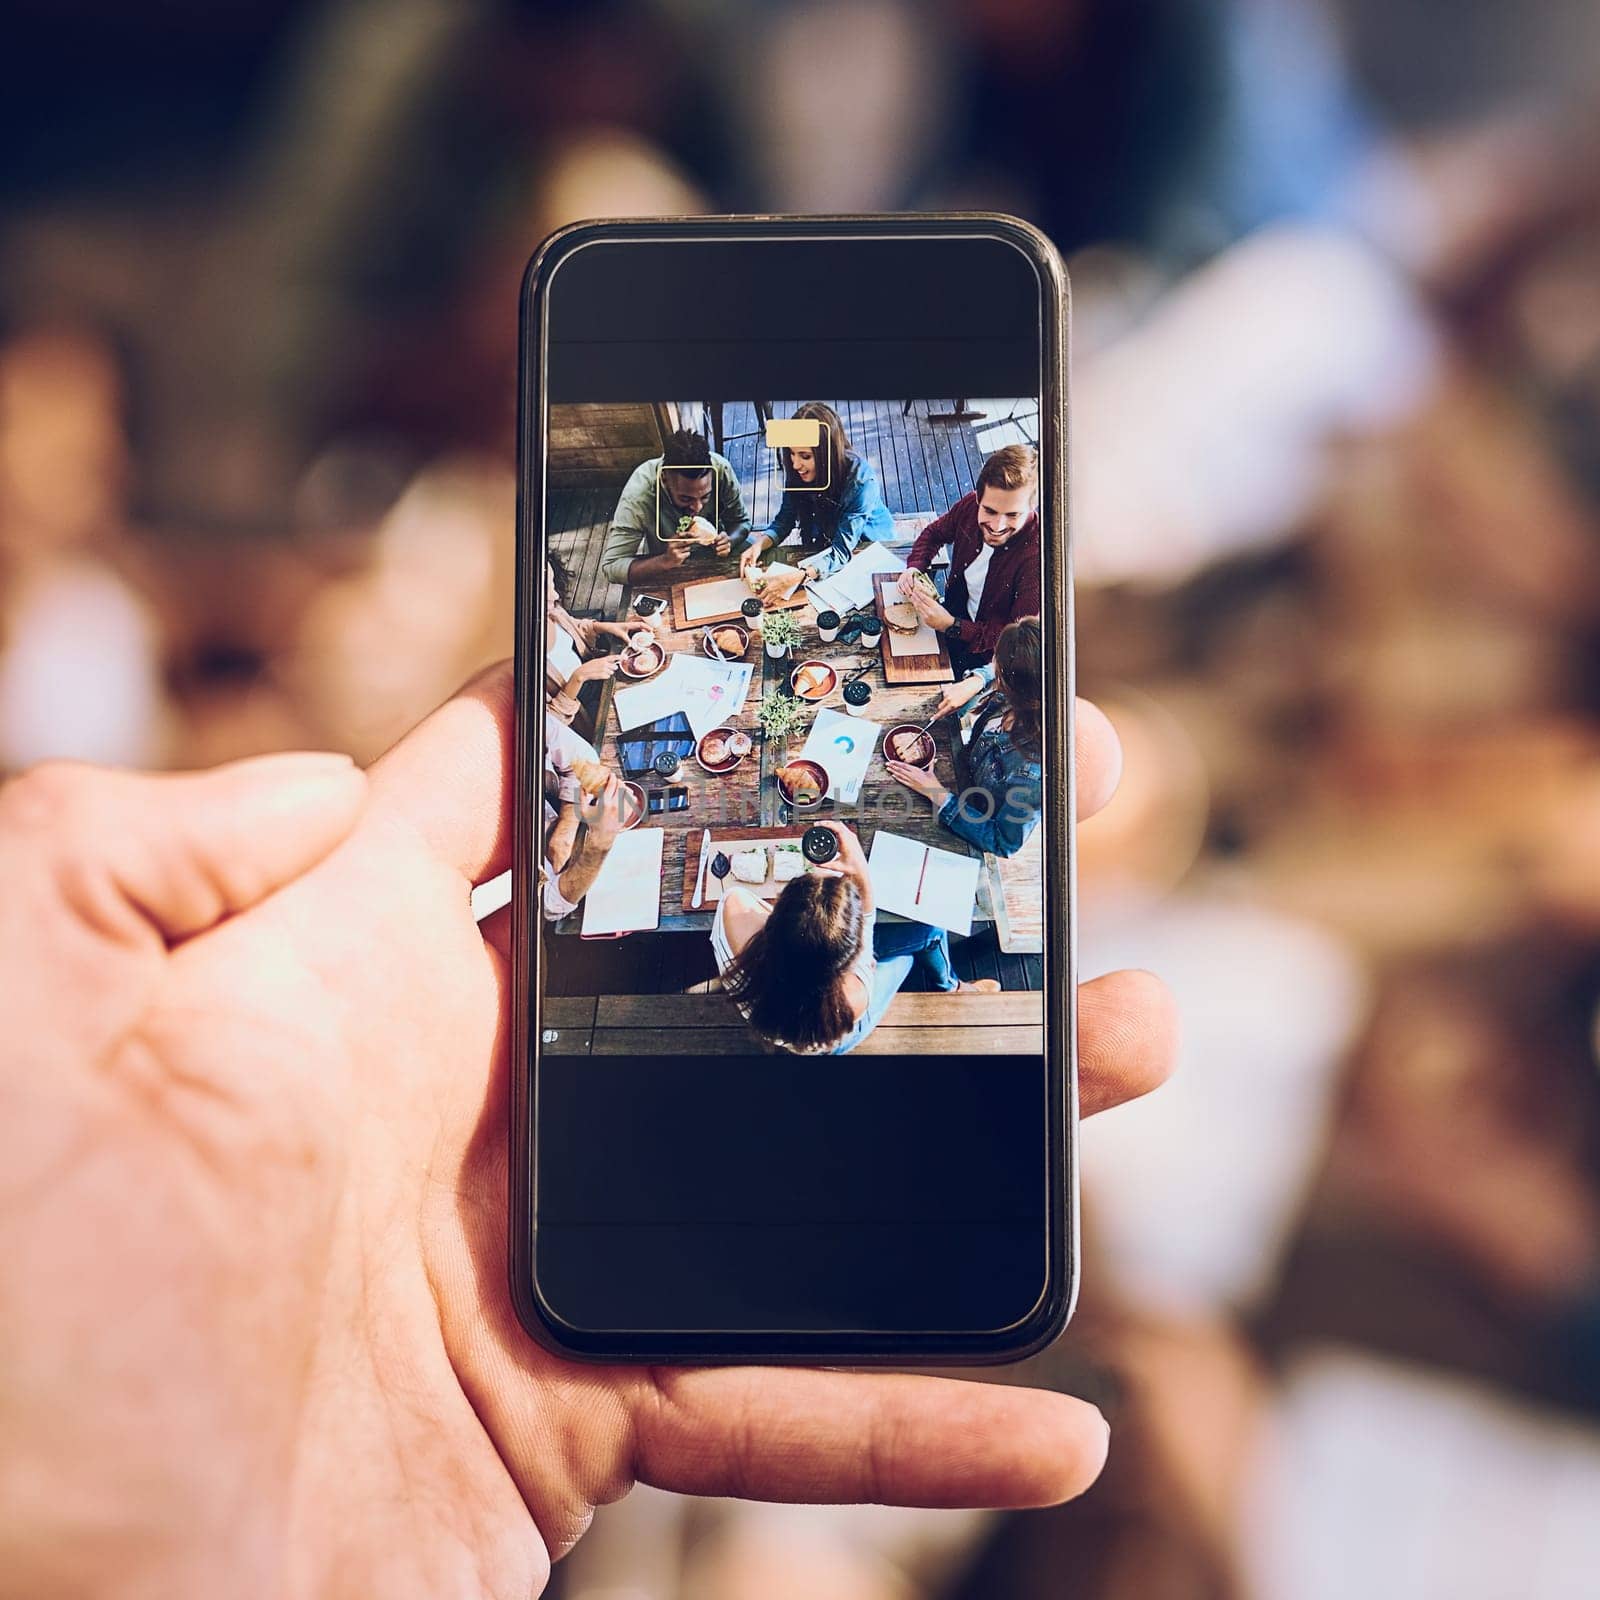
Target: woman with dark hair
{"points": [[812, 973], [1004, 797], [830, 495], [572, 646]]}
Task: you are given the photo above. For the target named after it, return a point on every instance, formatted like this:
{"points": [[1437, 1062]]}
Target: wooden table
{"points": [[750, 796]]}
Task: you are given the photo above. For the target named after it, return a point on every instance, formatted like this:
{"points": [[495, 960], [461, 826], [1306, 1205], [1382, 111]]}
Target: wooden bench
{"points": [[1016, 890], [1010, 1023]]}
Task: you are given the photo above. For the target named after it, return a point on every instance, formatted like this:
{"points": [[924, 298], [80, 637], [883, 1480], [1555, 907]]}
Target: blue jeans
{"points": [[897, 946]]}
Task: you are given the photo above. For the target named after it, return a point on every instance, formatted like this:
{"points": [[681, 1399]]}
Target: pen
{"points": [[927, 850]]}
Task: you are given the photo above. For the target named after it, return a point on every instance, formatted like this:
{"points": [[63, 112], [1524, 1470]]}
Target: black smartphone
{"points": [[796, 1109]]}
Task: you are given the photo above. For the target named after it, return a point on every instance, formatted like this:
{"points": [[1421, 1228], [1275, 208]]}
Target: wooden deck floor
{"points": [[924, 467]]}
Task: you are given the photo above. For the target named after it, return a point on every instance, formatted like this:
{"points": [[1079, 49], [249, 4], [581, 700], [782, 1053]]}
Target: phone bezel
{"points": [[1054, 1309]]}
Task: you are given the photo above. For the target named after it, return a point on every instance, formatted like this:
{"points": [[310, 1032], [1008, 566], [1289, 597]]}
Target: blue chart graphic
{"points": [[845, 742]]}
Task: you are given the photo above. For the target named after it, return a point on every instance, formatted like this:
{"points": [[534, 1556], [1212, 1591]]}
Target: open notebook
{"points": [[923, 882]]}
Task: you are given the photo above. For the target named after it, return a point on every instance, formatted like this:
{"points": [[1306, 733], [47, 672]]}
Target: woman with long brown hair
{"points": [[1004, 796], [831, 496], [812, 972]]}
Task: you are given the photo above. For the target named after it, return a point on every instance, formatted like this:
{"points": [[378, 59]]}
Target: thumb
{"points": [[134, 853]]}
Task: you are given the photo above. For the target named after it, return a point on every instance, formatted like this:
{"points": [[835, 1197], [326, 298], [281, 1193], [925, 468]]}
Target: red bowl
{"points": [[925, 747], [819, 776], [816, 694], [636, 805], [644, 663]]}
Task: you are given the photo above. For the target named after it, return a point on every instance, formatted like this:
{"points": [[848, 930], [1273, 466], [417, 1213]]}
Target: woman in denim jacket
{"points": [[1004, 796], [830, 493]]}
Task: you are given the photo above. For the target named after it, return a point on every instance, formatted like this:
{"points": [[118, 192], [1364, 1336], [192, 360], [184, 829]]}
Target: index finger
{"points": [[449, 779]]}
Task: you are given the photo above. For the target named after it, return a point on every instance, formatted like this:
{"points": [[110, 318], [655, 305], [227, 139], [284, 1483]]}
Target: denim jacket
{"points": [[1004, 794], [862, 515]]}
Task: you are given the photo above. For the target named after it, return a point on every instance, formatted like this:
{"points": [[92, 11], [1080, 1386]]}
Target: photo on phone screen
{"points": [[796, 680]]}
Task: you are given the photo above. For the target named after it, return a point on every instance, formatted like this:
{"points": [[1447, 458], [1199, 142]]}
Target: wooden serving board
{"points": [[934, 667], [680, 605], [730, 840]]}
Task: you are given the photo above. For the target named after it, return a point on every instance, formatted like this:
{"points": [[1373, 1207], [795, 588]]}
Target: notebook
{"points": [[627, 893], [923, 882]]}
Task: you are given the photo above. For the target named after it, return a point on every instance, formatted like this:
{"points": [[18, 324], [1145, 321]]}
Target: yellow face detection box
{"points": [[803, 433]]}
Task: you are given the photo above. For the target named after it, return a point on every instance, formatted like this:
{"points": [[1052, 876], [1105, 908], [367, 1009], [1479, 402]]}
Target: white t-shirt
{"points": [[563, 748], [977, 576], [562, 653]]}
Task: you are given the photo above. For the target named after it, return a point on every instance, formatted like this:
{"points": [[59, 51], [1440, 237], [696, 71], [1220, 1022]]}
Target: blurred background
{"points": [[1336, 274]]}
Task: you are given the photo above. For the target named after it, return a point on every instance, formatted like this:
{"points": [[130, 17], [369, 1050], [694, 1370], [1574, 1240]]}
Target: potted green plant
{"points": [[779, 714], [781, 633]]}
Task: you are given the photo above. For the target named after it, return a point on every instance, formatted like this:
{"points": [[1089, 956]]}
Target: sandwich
{"points": [[750, 866], [714, 749], [907, 746], [781, 582], [923, 581], [787, 863], [900, 615], [697, 530]]}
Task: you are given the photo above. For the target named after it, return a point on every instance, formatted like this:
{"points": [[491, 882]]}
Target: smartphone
{"points": [[798, 1111]]}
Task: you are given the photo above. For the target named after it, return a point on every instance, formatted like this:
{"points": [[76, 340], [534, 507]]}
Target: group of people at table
{"points": [[814, 970]]}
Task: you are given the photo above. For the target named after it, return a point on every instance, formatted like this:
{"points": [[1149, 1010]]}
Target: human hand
{"points": [[906, 583], [595, 669], [253, 1196], [958, 694], [852, 859], [603, 813], [723, 545], [930, 609], [750, 559], [917, 778], [674, 552]]}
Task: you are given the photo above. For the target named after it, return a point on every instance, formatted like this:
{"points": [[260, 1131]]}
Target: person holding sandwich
{"points": [[682, 503], [995, 559], [831, 496]]}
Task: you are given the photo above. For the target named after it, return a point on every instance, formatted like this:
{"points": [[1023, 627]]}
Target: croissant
{"points": [[799, 784], [591, 774]]}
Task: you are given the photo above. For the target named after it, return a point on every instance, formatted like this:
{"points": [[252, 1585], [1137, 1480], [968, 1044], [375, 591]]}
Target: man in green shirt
{"points": [[687, 480]]}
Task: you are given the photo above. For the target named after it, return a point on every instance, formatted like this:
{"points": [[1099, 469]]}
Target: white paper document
{"points": [[851, 585], [710, 691], [843, 745], [660, 696], [923, 882], [627, 893], [706, 692], [716, 597]]}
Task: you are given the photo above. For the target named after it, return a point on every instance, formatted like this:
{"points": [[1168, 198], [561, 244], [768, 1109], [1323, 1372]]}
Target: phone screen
{"points": [[797, 688]]}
